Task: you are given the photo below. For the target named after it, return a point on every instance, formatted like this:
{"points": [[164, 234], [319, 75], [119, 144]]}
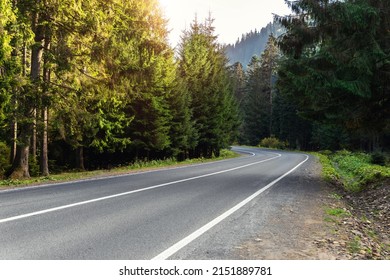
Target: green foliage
{"points": [[273, 143], [336, 66], [203, 71], [258, 107], [183, 134], [137, 165], [4, 159], [7, 17], [329, 172], [337, 212], [353, 170], [7, 20], [329, 136], [357, 171], [105, 75], [354, 246], [33, 166]]}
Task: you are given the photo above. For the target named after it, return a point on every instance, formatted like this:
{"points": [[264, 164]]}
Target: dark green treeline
{"points": [[331, 79], [94, 84]]}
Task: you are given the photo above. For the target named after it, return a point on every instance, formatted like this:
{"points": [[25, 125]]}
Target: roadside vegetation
{"points": [[92, 84], [354, 171], [359, 211], [137, 166]]}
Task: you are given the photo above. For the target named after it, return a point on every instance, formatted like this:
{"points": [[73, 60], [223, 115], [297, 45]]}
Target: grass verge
{"points": [[354, 171], [137, 166]]}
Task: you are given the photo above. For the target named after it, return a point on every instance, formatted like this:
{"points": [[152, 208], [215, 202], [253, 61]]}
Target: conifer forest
{"points": [[95, 84]]}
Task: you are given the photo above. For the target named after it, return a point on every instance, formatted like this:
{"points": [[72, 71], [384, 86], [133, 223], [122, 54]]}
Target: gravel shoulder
{"points": [[321, 222], [286, 222], [292, 231]]}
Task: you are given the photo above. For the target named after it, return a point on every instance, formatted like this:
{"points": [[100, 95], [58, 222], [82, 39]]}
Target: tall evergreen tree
{"points": [[7, 18], [338, 63], [258, 108], [182, 131], [237, 76], [203, 68]]}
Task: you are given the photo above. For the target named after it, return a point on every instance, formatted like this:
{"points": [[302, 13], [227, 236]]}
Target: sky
{"points": [[232, 17]]}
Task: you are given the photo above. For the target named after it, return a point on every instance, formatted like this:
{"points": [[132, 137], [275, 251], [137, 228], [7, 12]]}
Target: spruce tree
{"points": [[203, 67], [337, 65]]}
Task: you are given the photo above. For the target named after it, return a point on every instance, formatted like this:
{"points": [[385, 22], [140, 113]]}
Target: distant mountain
{"points": [[252, 43]]}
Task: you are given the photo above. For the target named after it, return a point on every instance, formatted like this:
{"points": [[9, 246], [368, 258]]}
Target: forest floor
{"points": [[334, 225]]}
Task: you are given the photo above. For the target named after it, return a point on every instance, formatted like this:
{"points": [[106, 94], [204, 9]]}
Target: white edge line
{"points": [[162, 169], [185, 241], [18, 217]]}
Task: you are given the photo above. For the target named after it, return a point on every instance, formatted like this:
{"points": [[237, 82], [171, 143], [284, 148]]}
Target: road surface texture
{"points": [[243, 208]]}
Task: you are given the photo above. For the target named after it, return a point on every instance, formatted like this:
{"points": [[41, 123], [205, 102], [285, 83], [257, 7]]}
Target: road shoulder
{"points": [[326, 224], [285, 223], [295, 229]]}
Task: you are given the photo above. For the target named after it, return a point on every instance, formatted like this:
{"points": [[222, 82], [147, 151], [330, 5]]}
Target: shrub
{"points": [[326, 152], [329, 173], [354, 171], [273, 143], [357, 170]]}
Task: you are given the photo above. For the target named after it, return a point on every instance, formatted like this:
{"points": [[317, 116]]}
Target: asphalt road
{"points": [[151, 215]]}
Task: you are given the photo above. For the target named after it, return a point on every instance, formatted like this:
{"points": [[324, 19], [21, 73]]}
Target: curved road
{"points": [[151, 215]]}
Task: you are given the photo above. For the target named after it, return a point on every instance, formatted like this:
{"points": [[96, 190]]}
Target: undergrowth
{"points": [[140, 165], [354, 171]]}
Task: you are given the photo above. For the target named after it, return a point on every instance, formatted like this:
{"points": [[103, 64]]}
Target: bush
{"points": [[326, 152], [4, 159], [273, 143], [357, 170], [329, 173]]}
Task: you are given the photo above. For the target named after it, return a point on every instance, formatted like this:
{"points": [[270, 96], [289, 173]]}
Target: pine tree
{"points": [[337, 66], [182, 131], [203, 68], [118, 67], [237, 76], [258, 106], [7, 18]]}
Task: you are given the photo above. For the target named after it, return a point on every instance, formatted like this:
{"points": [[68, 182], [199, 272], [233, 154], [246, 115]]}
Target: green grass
{"points": [[337, 212], [334, 215], [329, 173], [137, 166], [354, 245], [352, 170]]}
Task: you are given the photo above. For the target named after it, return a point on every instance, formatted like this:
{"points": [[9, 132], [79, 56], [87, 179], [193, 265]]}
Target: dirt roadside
{"points": [[329, 225]]}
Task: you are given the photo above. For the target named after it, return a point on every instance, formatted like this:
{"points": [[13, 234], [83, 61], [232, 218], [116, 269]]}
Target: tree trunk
{"points": [[44, 159], [14, 125], [20, 168], [80, 158], [271, 109], [34, 135], [14, 131], [20, 164]]}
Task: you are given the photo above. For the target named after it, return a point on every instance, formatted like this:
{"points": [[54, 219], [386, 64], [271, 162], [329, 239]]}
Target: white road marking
{"points": [[122, 175], [18, 217], [182, 243]]}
